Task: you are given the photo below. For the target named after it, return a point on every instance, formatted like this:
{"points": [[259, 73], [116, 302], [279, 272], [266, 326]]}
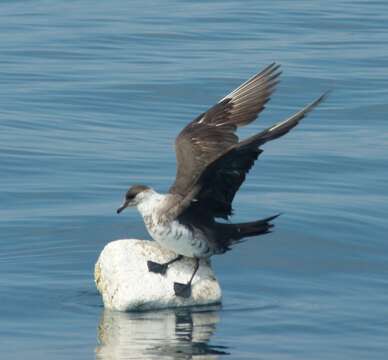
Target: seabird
{"points": [[212, 163]]}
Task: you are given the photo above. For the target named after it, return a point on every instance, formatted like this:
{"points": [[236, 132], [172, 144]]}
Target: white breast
{"points": [[172, 235], [177, 237]]}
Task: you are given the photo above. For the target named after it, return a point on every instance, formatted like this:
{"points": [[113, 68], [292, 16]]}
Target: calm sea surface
{"points": [[93, 93]]}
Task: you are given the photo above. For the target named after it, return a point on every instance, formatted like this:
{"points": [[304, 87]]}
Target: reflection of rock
{"points": [[123, 279], [167, 334]]}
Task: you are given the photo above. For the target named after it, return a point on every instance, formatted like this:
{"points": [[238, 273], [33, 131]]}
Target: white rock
{"points": [[122, 277]]}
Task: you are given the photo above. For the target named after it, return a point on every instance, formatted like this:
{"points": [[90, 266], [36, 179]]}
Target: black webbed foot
{"points": [[161, 268], [182, 290], [156, 267]]}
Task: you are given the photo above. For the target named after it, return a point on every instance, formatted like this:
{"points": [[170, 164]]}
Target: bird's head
{"points": [[134, 196]]}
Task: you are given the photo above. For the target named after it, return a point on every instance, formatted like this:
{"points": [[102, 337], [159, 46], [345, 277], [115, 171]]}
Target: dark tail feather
{"points": [[254, 228], [231, 234]]}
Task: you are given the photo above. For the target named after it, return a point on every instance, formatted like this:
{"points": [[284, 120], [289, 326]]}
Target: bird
{"points": [[192, 219]]}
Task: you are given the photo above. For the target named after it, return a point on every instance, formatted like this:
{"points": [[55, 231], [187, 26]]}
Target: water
{"points": [[92, 95]]}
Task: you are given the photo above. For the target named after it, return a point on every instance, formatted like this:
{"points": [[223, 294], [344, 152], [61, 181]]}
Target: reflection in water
{"points": [[167, 334]]}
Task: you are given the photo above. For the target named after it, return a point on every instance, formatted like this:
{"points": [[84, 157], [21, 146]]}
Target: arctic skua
{"points": [[212, 163]]}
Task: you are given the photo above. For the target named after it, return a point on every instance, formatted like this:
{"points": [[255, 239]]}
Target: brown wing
{"points": [[223, 177], [213, 132], [219, 182]]}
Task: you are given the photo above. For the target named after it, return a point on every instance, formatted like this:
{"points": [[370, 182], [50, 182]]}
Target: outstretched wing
{"points": [[213, 132], [223, 177], [217, 185]]}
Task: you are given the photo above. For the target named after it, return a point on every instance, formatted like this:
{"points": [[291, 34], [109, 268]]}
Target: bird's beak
{"points": [[122, 207]]}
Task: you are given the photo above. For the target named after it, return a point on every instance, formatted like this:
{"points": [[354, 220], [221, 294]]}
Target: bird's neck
{"points": [[151, 202]]}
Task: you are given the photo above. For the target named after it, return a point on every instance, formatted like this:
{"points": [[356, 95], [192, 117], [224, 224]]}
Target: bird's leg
{"points": [[184, 290], [161, 268]]}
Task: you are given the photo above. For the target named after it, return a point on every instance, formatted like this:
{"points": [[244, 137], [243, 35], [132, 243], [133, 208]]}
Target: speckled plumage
{"points": [[171, 234]]}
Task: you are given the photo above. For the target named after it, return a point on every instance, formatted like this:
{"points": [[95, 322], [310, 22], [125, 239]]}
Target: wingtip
{"points": [[316, 102], [269, 69], [274, 68], [324, 96], [273, 217], [274, 64]]}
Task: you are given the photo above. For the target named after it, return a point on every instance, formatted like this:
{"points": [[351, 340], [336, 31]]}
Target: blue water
{"points": [[92, 95]]}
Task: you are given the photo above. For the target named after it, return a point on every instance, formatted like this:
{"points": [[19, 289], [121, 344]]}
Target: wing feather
{"points": [[219, 182], [223, 177], [213, 132]]}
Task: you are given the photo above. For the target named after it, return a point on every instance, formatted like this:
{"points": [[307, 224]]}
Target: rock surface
{"points": [[122, 277]]}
